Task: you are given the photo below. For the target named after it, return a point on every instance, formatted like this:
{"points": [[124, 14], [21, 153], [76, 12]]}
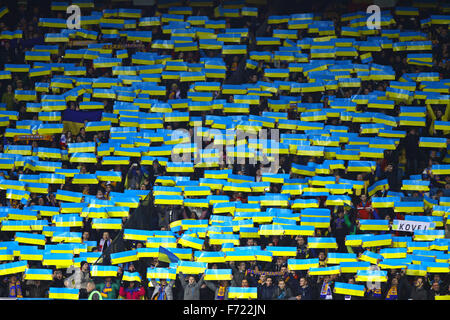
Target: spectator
{"points": [[131, 290], [220, 291], [266, 290], [191, 287], [418, 291], [93, 294], [282, 292], [80, 278], [163, 290], [108, 289]]}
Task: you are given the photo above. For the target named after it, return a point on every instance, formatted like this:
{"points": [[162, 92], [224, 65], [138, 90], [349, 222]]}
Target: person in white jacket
{"points": [[80, 278], [163, 290]]}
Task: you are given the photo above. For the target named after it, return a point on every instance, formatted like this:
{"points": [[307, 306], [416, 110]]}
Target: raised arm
{"points": [[182, 280], [211, 285]]}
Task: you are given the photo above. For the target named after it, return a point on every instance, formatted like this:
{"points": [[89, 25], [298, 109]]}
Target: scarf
{"points": [[392, 293], [302, 251], [106, 290], [282, 295], [267, 273], [376, 293], [326, 290], [15, 291], [339, 223], [161, 293], [221, 293], [130, 291]]}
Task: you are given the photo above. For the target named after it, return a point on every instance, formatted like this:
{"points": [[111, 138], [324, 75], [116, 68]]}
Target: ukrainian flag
{"points": [[63, 293], [191, 267], [67, 220], [218, 274], [337, 258], [384, 202], [6, 255], [416, 270], [322, 243], [371, 275], [431, 142], [302, 264], [209, 257], [166, 255], [428, 235], [30, 238], [242, 293], [59, 260], [161, 273], [124, 257], [436, 267], [104, 271], [393, 253], [349, 289], [131, 276], [105, 223], [282, 251], [90, 257], [415, 185], [191, 242], [324, 271], [377, 241], [147, 253], [371, 257], [353, 267], [68, 196], [38, 274], [13, 267], [374, 225]]}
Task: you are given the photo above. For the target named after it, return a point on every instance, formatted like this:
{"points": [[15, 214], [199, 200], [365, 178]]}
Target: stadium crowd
{"points": [[273, 279]]}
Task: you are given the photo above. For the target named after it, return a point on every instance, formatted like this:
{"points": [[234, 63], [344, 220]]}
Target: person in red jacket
{"points": [[132, 291], [364, 208]]}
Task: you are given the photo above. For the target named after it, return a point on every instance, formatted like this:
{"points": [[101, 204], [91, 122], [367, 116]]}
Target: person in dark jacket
{"points": [[304, 291], [238, 273], [282, 292], [325, 288], [434, 291], [58, 280], [392, 290], [418, 291], [266, 290], [411, 143], [35, 289]]}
